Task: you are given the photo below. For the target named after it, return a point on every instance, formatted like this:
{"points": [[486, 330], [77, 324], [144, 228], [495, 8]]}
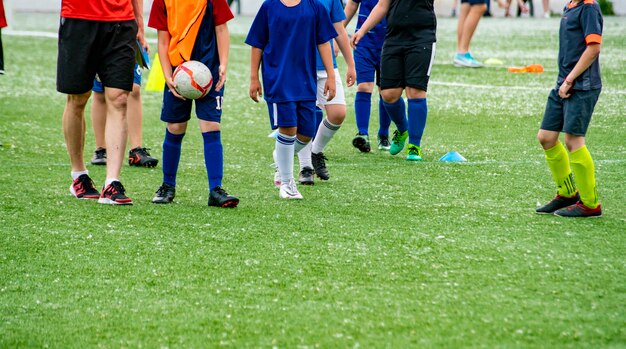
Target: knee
{"points": [[78, 101], [546, 140], [177, 129], [118, 101], [389, 97]]}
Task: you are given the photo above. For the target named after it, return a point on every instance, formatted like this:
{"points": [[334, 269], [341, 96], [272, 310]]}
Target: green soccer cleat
{"points": [[397, 142], [414, 153]]}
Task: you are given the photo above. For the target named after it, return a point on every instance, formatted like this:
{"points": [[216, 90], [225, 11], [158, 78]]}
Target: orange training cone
{"points": [[533, 68]]}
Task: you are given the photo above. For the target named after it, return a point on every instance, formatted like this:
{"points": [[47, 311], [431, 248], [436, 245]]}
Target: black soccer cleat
{"points": [[165, 194], [319, 164], [141, 158], [579, 210], [557, 203], [99, 157], [219, 197], [306, 176], [362, 142]]}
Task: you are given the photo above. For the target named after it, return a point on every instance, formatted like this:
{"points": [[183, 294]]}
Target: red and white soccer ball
{"points": [[193, 79]]}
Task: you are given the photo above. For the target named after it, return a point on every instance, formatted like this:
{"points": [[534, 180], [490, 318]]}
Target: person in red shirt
{"points": [[98, 37], [3, 23]]}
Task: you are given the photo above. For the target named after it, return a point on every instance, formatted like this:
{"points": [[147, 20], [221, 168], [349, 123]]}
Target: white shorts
{"points": [[340, 97]]}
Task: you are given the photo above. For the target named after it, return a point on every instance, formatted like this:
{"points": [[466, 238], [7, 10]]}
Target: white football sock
{"points": [[325, 133]]}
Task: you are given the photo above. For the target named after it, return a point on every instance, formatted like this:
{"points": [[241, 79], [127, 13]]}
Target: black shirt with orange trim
{"points": [[581, 25]]}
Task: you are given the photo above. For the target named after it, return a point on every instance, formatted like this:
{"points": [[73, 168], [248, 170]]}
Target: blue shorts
{"points": [[293, 114], [474, 2], [98, 87], [367, 64], [208, 108], [570, 115]]}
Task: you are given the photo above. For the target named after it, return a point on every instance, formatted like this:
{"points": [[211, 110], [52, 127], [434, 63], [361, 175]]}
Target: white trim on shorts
{"points": [[275, 114], [432, 59], [340, 97]]}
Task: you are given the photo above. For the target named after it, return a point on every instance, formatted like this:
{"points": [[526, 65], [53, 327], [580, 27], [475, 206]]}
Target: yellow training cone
{"points": [[156, 79]]}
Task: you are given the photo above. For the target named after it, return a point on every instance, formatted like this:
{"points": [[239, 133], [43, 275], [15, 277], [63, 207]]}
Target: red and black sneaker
{"points": [[579, 210], [83, 188], [141, 158], [557, 203], [113, 194]]}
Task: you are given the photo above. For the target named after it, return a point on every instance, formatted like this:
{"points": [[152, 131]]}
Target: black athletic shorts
{"points": [[87, 48], [570, 115], [406, 65]]}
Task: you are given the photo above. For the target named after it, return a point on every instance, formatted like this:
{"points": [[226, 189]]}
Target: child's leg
{"points": [[384, 121], [417, 113], [394, 105], [213, 152], [284, 152], [172, 145], [584, 170]]}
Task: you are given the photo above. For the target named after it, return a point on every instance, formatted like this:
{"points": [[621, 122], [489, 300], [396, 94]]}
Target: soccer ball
{"points": [[193, 79]]}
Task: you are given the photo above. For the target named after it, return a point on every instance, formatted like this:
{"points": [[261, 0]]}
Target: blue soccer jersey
{"points": [[289, 37], [376, 36], [581, 25], [335, 10]]}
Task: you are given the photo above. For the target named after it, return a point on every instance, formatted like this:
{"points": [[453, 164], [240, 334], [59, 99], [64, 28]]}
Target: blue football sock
{"points": [[383, 118], [172, 145], [418, 110], [397, 113], [362, 110], [213, 158]]}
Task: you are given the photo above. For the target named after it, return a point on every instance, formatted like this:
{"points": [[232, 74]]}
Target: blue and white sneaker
{"points": [[466, 60]]}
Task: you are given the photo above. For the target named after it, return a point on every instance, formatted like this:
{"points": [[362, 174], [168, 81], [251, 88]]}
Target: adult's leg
{"points": [[116, 130], [74, 129], [472, 15]]}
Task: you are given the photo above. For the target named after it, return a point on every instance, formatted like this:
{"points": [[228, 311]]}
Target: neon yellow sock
{"points": [[582, 165], [561, 172]]}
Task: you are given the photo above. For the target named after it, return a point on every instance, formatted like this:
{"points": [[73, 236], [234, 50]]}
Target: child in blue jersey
{"points": [[406, 62], [193, 30], [569, 109], [312, 156], [367, 62], [284, 36]]}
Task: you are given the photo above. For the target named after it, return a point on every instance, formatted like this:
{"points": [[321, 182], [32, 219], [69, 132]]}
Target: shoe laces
{"points": [[84, 183], [163, 189], [141, 151], [307, 171], [396, 136], [414, 150], [319, 159], [116, 187], [101, 152], [220, 191]]}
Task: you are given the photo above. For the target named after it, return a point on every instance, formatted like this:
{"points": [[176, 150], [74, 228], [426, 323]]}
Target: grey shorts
{"points": [[570, 115]]}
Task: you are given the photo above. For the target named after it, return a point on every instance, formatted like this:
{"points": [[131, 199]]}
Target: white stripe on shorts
{"points": [[275, 113], [432, 59]]}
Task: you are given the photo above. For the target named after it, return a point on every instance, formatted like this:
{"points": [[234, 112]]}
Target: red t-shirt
{"points": [[158, 14], [98, 10], [3, 20]]}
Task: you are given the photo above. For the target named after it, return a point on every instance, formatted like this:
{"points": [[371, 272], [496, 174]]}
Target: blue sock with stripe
{"points": [[418, 111], [213, 158], [397, 113], [362, 110]]}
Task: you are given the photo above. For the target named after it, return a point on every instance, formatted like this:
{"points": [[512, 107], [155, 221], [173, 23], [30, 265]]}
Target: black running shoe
{"points": [[306, 176], [99, 157], [557, 203], [220, 198], [83, 188], [319, 165], [165, 194], [362, 142], [141, 158], [114, 194]]}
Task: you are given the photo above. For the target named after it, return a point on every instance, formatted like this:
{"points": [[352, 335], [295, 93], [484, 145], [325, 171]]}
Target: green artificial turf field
{"points": [[385, 254]]}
